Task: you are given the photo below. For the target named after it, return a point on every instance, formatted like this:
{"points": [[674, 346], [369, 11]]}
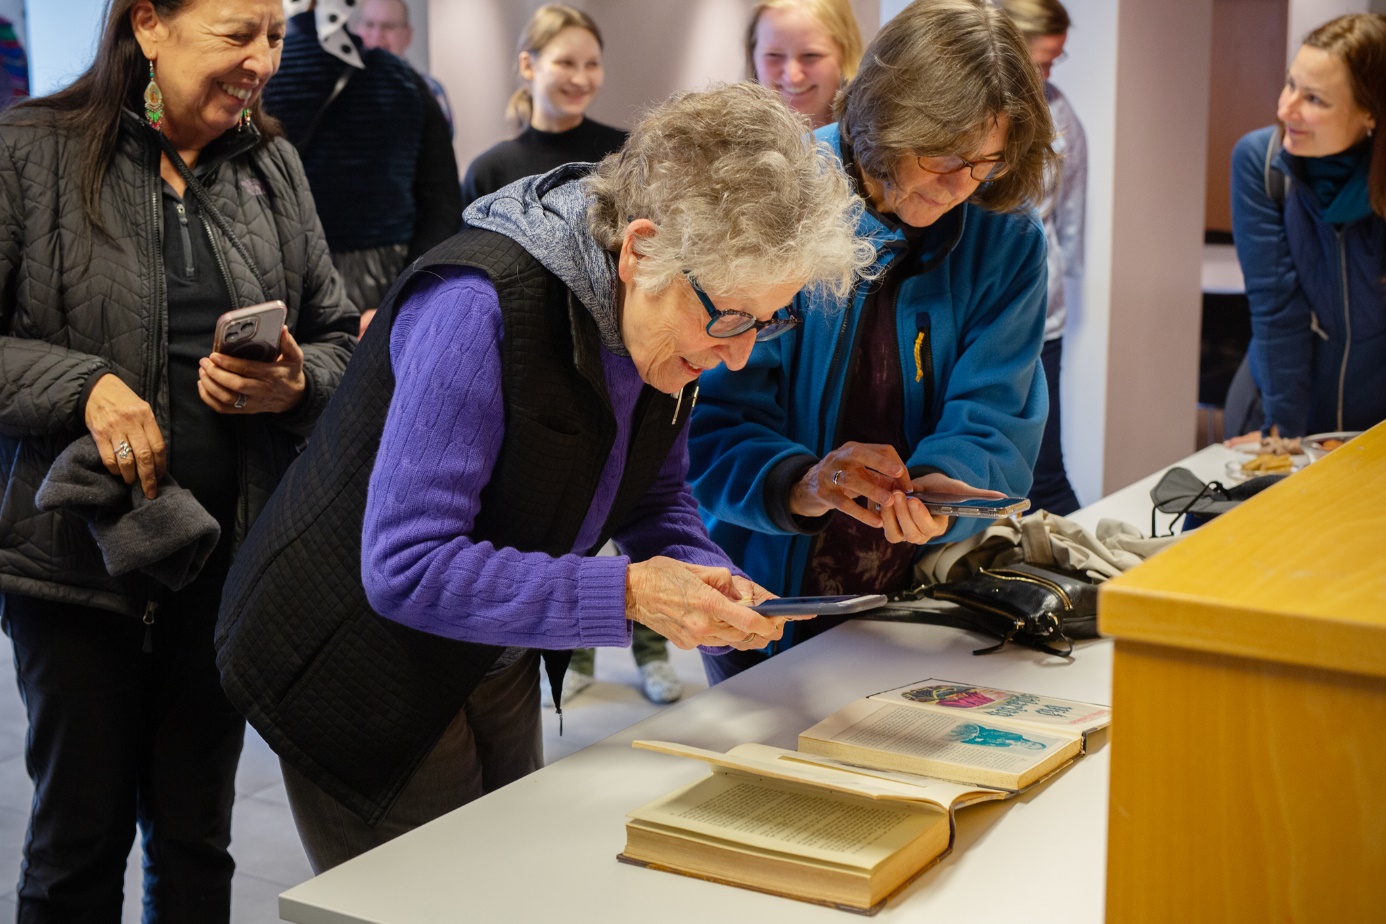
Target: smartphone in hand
{"points": [[969, 505], [819, 606], [251, 332]]}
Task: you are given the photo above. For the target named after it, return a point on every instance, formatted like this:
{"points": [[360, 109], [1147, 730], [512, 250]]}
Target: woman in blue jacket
{"points": [[927, 377], [1307, 207]]}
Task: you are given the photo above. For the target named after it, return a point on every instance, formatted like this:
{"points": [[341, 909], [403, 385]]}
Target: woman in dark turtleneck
{"points": [[561, 69], [1308, 203]]}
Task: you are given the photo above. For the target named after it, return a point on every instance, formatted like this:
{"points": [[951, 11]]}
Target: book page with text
{"points": [[787, 819]]}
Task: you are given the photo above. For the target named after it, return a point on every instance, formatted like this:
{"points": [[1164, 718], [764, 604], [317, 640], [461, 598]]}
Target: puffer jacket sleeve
{"points": [[327, 322], [1281, 348], [43, 387]]}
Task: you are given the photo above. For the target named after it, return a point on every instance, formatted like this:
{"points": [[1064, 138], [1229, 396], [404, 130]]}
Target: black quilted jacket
{"points": [[76, 303]]}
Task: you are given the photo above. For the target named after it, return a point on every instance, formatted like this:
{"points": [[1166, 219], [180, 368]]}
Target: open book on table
{"points": [[867, 802]]}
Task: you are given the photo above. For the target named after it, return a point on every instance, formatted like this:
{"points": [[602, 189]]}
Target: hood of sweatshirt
{"points": [[547, 216]]}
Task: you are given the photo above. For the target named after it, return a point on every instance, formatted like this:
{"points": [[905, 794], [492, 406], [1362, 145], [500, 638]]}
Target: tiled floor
{"points": [[268, 856]]}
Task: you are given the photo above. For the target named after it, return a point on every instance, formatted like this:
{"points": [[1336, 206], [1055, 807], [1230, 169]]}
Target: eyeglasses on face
{"points": [[981, 171], [725, 324]]}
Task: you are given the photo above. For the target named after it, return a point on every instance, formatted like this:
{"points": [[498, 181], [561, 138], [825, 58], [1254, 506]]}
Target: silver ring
{"points": [[240, 402], [123, 450], [836, 475]]}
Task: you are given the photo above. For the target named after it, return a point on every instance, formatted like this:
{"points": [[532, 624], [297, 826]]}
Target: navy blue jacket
{"points": [[1318, 307], [363, 159]]}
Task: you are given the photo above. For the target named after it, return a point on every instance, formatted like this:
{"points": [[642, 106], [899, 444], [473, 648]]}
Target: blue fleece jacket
{"points": [[1318, 307], [975, 304]]}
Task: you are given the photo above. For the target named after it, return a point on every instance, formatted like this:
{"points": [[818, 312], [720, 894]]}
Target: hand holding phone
{"points": [[251, 333]]}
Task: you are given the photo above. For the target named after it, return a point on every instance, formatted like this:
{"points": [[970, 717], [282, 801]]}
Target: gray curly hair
{"points": [[742, 199]]}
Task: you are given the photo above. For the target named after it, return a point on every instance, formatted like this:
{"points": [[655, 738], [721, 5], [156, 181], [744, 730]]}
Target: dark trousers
{"points": [[1051, 490], [120, 736], [495, 739]]}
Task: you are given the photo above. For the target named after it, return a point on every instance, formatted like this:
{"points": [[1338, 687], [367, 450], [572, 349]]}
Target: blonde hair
{"points": [[543, 27], [835, 16], [742, 199], [1037, 18], [934, 82]]}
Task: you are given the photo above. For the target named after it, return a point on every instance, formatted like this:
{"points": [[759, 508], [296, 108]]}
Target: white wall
{"points": [[62, 41], [1086, 76], [1307, 15], [1138, 76]]}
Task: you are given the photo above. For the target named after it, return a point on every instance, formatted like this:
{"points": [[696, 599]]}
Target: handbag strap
{"points": [[204, 199], [308, 135]]}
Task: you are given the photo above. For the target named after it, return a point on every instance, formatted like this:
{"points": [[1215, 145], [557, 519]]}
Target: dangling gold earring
{"points": [[154, 101]]}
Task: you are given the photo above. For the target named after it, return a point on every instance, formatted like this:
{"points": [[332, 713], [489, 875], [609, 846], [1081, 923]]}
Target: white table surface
{"points": [[544, 848]]}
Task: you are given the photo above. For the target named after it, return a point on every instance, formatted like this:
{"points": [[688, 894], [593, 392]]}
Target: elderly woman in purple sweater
{"points": [[545, 362]]}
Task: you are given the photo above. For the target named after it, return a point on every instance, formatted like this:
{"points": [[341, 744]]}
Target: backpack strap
{"points": [[1277, 182]]}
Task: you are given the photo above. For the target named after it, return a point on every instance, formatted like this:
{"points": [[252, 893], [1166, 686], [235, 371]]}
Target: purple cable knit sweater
{"points": [[442, 436]]}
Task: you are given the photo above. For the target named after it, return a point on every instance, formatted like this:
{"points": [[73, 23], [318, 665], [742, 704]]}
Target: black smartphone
{"points": [[819, 606], [252, 332], [967, 505]]}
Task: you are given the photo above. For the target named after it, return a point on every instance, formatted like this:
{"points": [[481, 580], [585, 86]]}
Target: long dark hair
{"points": [[1359, 41], [90, 107]]}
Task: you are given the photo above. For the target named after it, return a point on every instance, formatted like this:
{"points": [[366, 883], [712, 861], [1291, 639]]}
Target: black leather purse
{"points": [[1039, 607]]}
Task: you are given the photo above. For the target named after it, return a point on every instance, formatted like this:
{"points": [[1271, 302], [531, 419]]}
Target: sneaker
{"points": [[660, 683], [574, 682]]}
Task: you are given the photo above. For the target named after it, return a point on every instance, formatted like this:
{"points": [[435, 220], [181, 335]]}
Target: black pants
{"points": [[1051, 490], [119, 736]]}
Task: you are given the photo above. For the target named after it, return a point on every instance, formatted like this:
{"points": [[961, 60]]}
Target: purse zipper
{"points": [[1033, 579]]}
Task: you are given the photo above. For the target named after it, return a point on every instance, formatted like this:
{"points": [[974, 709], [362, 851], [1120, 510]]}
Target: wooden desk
{"points": [[1249, 704], [544, 848]]}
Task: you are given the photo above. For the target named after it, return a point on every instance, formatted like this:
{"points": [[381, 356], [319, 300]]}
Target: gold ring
{"points": [[748, 638]]}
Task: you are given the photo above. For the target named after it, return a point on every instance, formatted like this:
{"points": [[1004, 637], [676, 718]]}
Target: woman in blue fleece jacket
{"points": [[1313, 249], [927, 377]]}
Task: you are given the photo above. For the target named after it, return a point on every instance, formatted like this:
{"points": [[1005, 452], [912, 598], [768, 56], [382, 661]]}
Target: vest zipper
{"points": [[1347, 326], [188, 268], [148, 620]]}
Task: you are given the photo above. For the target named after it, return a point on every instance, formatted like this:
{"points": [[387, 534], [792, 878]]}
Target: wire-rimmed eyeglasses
{"points": [[981, 170]]}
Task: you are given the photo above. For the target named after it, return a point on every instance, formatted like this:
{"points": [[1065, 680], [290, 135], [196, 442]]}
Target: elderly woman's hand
{"points": [[908, 520], [230, 385], [123, 426], [693, 605], [870, 471]]}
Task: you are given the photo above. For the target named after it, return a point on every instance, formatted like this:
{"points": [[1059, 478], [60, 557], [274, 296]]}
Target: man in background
{"points": [[385, 24]]}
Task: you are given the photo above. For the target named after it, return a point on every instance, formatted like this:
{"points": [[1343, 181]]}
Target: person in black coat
{"points": [[137, 206]]}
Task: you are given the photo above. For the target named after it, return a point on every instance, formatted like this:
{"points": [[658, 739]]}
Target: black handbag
{"points": [[1042, 608]]}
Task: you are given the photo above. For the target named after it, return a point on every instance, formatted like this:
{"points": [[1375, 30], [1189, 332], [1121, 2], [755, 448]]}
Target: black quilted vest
{"points": [[354, 700]]}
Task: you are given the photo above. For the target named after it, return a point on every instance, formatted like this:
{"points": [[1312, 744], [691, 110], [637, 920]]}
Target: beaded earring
{"points": [[153, 101], [245, 118]]}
